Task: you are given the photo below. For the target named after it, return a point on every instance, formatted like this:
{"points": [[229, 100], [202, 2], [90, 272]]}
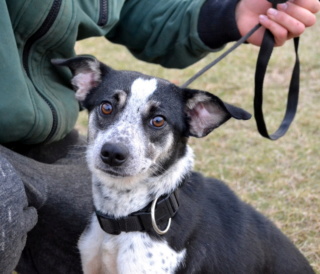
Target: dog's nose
{"points": [[114, 154]]}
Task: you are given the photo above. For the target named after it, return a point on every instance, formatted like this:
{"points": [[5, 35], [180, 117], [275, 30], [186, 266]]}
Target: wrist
{"points": [[217, 23]]}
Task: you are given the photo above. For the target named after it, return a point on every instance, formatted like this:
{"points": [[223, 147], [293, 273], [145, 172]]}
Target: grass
{"points": [[280, 178]]}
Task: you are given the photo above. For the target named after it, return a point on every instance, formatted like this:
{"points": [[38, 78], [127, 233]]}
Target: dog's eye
{"points": [[106, 108], [157, 121]]}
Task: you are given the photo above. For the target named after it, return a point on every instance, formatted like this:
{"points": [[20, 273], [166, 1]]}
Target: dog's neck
{"points": [[120, 197]]}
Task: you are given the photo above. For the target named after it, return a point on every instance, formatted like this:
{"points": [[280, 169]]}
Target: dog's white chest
{"points": [[127, 253]]}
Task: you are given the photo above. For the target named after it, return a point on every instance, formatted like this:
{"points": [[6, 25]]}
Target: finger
{"points": [[292, 25], [312, 5], [303, 15], [280, 33]]}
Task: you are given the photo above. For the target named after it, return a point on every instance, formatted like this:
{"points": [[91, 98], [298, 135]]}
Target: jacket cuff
{"points": [[217, 23]]}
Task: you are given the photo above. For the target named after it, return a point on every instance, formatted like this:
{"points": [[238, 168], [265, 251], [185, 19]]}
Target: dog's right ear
{"points": [[86, 72]]}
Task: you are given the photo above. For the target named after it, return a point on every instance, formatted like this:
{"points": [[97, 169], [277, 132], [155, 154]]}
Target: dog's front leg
{"points": [[90, 246]]}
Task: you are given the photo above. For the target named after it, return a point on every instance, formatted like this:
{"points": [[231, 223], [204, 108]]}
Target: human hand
{"points": [[288, 21]]}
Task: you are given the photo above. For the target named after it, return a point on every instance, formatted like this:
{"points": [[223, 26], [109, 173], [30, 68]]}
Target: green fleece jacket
{"points": [[37, 104]]}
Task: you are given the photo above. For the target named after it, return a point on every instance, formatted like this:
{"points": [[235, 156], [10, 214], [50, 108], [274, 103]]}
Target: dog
{"points": [[153, 214]]}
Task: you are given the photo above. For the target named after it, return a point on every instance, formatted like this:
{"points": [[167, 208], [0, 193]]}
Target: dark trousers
{"points": [[45, 205]]}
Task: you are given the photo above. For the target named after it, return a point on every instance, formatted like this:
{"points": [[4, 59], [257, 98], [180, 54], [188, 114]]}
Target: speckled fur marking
{"points": [[128, 129], [133, 252]]}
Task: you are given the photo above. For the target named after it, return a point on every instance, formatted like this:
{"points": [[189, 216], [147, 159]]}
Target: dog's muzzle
{"points": [[114, 154]]}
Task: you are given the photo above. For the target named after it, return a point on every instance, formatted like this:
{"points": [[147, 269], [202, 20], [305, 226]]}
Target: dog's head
{"points": [[138, 124]]}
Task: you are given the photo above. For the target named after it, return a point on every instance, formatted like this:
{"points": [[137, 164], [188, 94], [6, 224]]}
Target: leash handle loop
{"points": [[293, 94], [261, 68]]}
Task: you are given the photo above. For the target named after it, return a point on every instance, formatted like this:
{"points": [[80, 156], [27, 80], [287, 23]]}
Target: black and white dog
{"points": [[153, 213]]}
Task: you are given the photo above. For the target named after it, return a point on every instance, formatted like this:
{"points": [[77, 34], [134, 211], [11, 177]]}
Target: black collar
{"points": [[165, 208]]}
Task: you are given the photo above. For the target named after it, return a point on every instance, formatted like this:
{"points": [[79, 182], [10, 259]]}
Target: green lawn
{"points": [[280, 178]]}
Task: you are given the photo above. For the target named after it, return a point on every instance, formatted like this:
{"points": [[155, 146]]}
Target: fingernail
{"points": [[272, 11], [263, 18], [283, 6]]}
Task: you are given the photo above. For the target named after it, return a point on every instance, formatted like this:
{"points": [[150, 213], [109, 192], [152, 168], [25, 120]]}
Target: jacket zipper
{"points": [[103, 17], [44, 28]]}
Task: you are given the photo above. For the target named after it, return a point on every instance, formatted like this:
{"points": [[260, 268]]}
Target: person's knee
{"points": [[16, 217]]}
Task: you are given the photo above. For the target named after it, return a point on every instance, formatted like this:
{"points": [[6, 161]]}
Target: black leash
{"points": [[223, 55], [261, 67], [293, 94]]}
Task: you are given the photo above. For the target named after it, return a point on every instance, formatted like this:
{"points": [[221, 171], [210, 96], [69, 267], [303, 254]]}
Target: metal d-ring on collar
{"points": [[154, 222], [161, 210]]}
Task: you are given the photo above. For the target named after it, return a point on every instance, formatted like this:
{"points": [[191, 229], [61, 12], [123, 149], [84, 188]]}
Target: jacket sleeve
{"points": [[175, 33]]}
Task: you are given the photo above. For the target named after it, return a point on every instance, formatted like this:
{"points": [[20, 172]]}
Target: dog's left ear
{"points": [[207, 112], [86, 72]]}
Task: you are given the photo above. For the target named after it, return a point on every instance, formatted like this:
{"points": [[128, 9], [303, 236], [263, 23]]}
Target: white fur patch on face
{"points": [[128, 129], [141, 89]]}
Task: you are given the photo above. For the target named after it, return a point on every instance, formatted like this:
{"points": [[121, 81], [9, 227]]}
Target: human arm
{"points": [[163, 32], [179, 33]]}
